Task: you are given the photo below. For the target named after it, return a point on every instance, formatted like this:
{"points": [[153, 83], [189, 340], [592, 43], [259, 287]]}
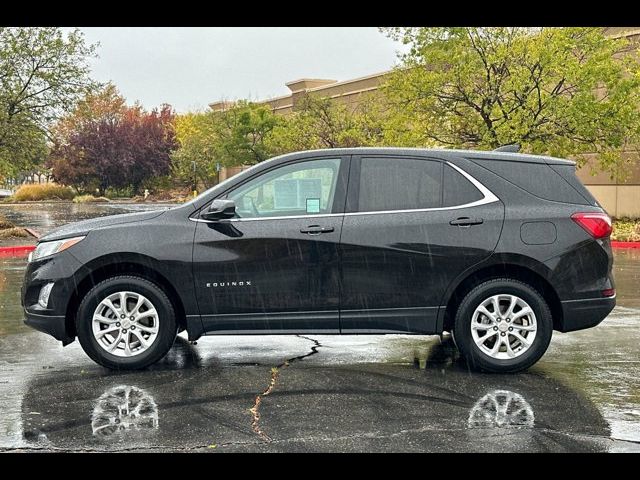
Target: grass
{"points": [[4, 223], [9, 230], [90, 199], [13, 232], [626, 230], [42, 191]]}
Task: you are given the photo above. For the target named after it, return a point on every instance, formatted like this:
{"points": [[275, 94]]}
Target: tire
{"points": [[480, 352], [158, 329]]}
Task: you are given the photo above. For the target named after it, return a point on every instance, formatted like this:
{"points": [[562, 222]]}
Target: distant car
{"points": [[4, 193], [498, 248]]}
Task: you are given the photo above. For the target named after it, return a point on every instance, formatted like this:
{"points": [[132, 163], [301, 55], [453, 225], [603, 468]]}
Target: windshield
{"points": [[208, 192]]}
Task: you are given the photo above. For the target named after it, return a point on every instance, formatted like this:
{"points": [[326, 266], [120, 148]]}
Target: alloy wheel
{"points": [[125, 324], [503, 326]]}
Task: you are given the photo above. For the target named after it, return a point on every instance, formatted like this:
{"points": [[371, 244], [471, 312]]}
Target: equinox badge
{"points": [[246, 283]]}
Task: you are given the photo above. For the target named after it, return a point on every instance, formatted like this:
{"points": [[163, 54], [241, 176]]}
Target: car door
{"points": [[411, 226], [275, 265]]}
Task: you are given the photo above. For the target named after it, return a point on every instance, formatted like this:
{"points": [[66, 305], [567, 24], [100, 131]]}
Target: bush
{"points": [[90, 199], [626, 230], [125, 192], [43, 191]]}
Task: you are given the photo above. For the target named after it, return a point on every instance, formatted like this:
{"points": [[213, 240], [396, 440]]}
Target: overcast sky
{"points": [[191, 67]]}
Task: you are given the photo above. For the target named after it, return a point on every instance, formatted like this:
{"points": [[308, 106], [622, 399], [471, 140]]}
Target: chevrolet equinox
{"points": [[498, 248]]}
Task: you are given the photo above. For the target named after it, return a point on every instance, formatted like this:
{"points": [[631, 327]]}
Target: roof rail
{"points": [[512, 148]]}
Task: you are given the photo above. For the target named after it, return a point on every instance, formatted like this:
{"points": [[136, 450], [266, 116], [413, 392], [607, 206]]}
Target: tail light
{"points": [[596, 224]]}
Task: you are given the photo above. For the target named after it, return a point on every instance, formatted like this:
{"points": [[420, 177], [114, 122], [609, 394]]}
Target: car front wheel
{"points": [[126, 323], [503, 325]]}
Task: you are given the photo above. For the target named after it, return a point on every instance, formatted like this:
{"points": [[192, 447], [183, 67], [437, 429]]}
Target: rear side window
{"points": [[457, 189], [399, 184], [568, 172], [538, 179]]}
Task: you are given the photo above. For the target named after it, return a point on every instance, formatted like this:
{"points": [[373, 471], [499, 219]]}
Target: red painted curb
{"points": [[16, 251], [616, 244]]}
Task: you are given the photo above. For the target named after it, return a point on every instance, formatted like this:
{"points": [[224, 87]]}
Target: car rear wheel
{"points": [[126, 323], [503, 325]]}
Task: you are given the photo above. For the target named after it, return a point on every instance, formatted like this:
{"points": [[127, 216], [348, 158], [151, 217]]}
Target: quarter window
{"points": [[399, 184], [457, 189], [304, 188]]}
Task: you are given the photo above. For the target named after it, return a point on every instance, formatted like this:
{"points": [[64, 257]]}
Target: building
{"points": [[621, 198]]}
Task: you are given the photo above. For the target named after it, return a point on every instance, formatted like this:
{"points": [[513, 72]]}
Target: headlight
{"points": [[45, 249]]}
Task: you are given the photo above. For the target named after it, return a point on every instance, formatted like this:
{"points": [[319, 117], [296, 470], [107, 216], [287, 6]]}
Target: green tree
{"points": [[24, 152], [558, 91], [43, 72], [197, 140], [320, 122], [241, 133], [237, 135]]}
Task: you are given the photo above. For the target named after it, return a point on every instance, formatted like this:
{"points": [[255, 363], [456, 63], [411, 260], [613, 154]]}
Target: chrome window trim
{"points": [[201, 220], [488, 197]]}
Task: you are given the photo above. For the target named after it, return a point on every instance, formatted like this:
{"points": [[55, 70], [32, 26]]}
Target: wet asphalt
{"points": [[319, 393]]}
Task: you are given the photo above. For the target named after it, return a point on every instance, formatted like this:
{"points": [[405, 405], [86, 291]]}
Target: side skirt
{"points": [[421, 320], [278, 322], [416, 320]]}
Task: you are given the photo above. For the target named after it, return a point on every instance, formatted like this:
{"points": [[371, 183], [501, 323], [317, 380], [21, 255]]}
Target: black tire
{"points": [[167, 325], [478, 359]]}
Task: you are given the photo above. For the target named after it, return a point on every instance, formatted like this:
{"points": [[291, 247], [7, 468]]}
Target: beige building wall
{"points": [[618, 200], [619, 196], [228, 172]]}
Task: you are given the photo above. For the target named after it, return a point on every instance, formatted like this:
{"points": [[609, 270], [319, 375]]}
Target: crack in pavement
{"points": [[275, 373]]}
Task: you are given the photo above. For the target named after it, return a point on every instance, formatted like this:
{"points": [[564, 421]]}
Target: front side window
{"points": [[399, 184], [304, 188]]}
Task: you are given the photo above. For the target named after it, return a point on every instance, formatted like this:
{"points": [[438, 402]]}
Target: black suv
{"points": [[498, 248]]}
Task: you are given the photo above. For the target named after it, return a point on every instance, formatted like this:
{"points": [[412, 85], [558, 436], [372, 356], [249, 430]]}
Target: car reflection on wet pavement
{"points": [[357, 393]]}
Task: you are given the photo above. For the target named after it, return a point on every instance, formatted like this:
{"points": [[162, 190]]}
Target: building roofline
{"points": [[626, 33], [306, 79], [352, 80]]}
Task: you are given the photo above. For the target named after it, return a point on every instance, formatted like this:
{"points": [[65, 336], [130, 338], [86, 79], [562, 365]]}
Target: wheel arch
{"points": [[517, 267], [112, 265]]}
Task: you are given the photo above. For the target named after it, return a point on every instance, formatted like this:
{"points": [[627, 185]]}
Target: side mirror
{"points": [[220, 209]]}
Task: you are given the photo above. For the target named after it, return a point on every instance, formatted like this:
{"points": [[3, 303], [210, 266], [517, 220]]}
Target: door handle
{"points": [[466, 221], [316, 230]]}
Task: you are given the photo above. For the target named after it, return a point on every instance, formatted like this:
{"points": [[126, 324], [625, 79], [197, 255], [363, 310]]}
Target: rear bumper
{"points": [[584, 313], [53, 325]]}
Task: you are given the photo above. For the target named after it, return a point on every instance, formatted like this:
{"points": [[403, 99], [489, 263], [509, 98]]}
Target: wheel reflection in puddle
{"points": [[501, 409], [124, 409]]}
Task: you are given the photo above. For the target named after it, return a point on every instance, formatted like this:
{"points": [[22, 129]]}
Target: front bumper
{"points": [[65, 272], [54, 325], [584, 313]]}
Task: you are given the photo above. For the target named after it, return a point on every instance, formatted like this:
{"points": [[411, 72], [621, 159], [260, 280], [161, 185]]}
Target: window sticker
{"points": [[313, 205]]}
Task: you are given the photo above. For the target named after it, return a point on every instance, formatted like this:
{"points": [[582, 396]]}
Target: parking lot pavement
{"points": [[357, 393]]}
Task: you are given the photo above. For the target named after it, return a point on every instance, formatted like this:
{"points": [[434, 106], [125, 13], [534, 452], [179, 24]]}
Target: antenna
{"points": [[511, 148]]}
